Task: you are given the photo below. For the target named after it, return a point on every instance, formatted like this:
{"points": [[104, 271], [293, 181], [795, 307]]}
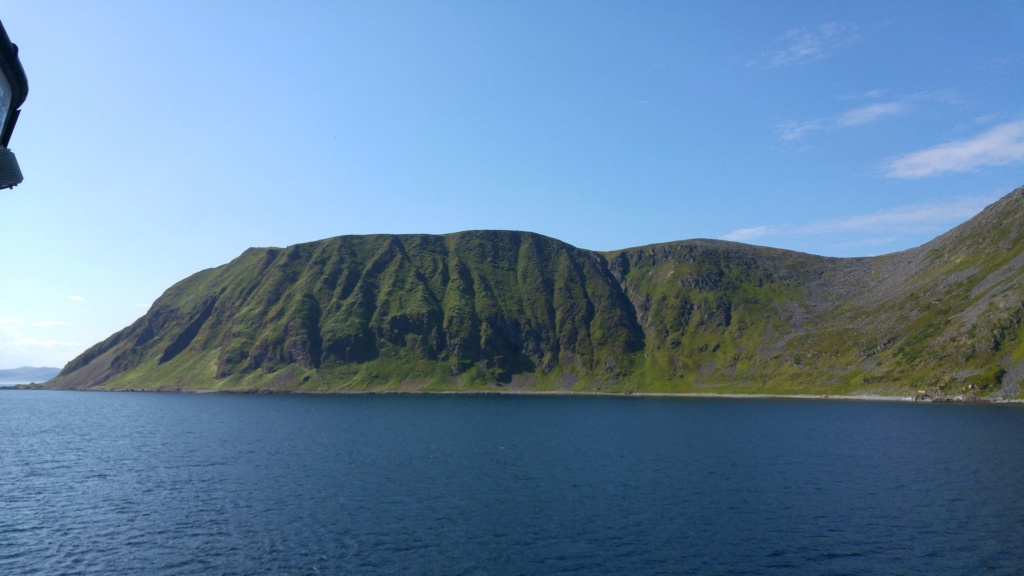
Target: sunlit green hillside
{"points": [[490, 310]]}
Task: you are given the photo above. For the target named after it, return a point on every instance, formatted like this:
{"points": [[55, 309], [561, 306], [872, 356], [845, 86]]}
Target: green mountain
{"points": [[490, 310]]}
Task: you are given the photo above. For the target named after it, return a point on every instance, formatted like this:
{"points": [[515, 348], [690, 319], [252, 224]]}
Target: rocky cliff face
{"points": [[491, 309]]}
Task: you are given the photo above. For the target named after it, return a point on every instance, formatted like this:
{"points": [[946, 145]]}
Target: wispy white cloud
{"points": [[867, 242], [986, 119], [903, 219], [11, 322], [873, 93], [883, 227], [803, 45], [748, 234], [16, 340], [860, 116], [143, 305], [50, 323], [798, 130], [77, 298], [870, 113], [1001, 145]]}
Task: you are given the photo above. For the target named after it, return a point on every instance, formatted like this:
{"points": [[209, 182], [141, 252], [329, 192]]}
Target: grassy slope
{"points": [[491, 310], [951, 310], [719, 316], [369, 312]]}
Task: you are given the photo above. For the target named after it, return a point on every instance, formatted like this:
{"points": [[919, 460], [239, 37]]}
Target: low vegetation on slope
{"points": [[489, 310]]}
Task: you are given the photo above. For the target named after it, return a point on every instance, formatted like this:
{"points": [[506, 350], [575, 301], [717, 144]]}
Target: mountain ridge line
{"points": [[520, 311]]}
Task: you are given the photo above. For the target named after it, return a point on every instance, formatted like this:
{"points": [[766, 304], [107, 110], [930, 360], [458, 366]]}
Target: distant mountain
{"points": [[27, 374], [491, 310]]}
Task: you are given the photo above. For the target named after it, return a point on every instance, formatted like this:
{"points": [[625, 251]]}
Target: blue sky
{"points": [[162, 138]]}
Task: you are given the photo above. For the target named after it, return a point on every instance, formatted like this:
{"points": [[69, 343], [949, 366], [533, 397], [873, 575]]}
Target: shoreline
{"points": [[727, 395]]}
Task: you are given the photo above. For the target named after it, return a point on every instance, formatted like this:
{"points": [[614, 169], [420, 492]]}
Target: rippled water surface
{"points": [[120, 483]]}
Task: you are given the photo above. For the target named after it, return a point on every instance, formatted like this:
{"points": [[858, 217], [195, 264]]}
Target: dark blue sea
{"points": [[160, 484]]}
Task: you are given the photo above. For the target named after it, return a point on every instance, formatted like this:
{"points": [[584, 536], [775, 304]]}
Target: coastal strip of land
{"points": [[564, 393]]}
